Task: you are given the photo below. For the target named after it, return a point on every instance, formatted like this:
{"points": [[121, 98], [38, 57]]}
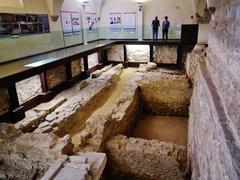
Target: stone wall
{"points": [[28, 156], [56, 76], [138, 53], [212, 149], [165, 94], [192, 60], [4, 102], [165, 54], [223, 57], [214, 113], [116, 53], [134, 158], [92, 60], [77, 67], [28, 88], [121, 119]]}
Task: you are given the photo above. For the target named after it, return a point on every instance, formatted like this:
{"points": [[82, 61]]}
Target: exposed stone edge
{"points": [[230, 140]]}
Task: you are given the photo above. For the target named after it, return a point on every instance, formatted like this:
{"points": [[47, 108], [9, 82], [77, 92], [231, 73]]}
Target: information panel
{"points": [[66, 23], [115, 21], [76, 23], [129, 20], [91, 21]]}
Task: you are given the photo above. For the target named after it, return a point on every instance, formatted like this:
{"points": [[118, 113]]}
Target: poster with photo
{"points": [[129, 21], [91, 21], [95, 21], [115, 21], [76, 24], [66, 23]]}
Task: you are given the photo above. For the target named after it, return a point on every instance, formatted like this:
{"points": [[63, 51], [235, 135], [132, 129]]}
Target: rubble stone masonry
{"points": [[165, 54], [116, 53], [56, 76], [214, 127]]}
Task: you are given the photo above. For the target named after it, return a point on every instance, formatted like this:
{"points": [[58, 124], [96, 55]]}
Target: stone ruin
{"points": [[67, 138], [132, 123]]}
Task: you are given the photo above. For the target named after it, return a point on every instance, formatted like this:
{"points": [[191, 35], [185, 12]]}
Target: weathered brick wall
{"points": [[165, 54], [223, 57], [4, 101]]}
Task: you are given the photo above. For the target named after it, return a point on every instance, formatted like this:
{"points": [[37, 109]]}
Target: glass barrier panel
{"points": [[117, 33], [92, 35], [73, 39], [173, 33], [21, 46]]}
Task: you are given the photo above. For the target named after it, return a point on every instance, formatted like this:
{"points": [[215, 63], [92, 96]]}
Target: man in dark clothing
{"points": [[165, 27], [155, 25]]}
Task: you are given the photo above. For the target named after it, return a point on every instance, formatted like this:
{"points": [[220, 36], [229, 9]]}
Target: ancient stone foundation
{"points": [[116, 53], [165, 54], [28, 89], [74, 114], [138, 53], [214, 151], [56, 76], [134, 158], [165, 93]]}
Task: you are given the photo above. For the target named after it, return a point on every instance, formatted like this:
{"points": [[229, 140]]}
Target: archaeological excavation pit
{"points": [[137, 116], [134, 115]]}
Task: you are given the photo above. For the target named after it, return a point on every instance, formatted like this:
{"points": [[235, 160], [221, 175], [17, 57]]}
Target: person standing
{"points": [[165, 27], [155, 25]]}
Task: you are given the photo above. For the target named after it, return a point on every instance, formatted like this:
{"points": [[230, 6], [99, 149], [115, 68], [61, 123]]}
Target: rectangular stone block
{"points": [[92, 60], [77, 67], [56, 76], [165, 54], [116, 53], [138, 53], [28, 88]]}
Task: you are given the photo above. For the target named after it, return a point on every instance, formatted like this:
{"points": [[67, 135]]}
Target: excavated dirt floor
{"points": [[104, 104], [164, 128]]}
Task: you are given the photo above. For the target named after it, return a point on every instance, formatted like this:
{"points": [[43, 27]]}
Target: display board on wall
{"points": [[66, 23], [129, 21], [115, 21], [76, 23], [71, 23], [19, 24], [91, 21]]}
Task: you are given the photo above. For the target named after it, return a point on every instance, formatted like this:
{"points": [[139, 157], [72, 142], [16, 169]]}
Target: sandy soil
{"points": [[164, 128], [104, 104]]}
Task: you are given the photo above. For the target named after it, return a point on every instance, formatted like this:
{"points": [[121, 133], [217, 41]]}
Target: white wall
{"points": [[111, 6], [75, 6], [178, 11]]}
